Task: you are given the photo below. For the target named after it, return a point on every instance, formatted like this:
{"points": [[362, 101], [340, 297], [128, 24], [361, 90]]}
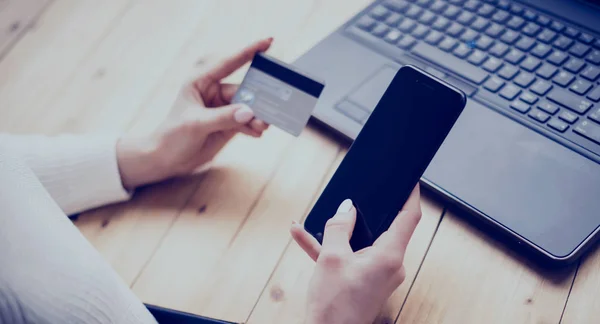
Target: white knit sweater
{"points": [[49, 273]]}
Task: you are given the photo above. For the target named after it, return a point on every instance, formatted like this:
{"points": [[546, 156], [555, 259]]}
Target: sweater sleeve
{"points": [[79, 171], [50, 273]]}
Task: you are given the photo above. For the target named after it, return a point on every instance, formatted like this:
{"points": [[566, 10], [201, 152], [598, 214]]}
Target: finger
{"points": [[258, 125], [249, 131], [228, 90], [307, 242], [223, 118], [338, 230], [414, 200], [238, 60]]}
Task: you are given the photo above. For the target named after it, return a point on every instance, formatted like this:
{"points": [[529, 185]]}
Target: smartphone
{"points": [[390, 154]]}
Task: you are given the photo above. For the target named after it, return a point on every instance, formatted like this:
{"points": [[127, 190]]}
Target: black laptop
{"points": [[524, 156]]}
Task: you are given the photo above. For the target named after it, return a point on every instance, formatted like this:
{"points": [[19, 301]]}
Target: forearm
{"points": [[49, 272], [79, 171]]}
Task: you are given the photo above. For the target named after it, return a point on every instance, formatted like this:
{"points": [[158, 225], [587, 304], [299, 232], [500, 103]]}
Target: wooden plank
{"points": [[40, 64], [283, 300], [468, 278], [16, 18], [583, 305], [221, 277]]}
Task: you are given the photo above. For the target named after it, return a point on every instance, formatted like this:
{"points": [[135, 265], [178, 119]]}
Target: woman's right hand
{"points": [[351, 287]]}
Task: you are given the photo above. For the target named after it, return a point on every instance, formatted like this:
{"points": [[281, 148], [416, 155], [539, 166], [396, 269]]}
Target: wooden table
{"points": [[218, 244]]}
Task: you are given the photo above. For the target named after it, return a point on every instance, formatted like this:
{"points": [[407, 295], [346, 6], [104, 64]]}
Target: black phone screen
{"points": [[390, 154]]}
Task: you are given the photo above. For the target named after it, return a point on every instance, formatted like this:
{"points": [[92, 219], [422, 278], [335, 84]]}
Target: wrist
{"points": [[138, 162]]}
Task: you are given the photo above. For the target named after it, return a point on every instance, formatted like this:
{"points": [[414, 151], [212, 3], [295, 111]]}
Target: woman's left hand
{"points": [[199, 125]]}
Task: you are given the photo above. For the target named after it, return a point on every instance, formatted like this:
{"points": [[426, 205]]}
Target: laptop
{"points": [[524, 157]]}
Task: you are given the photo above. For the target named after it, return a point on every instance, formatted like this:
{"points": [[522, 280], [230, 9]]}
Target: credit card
{"points": [[279, 94]]}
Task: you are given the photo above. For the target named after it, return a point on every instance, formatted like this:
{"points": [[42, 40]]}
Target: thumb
{"points": [[226, 117], [338, 229]]}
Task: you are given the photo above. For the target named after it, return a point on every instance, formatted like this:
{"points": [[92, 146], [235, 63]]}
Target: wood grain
{"points": [[467, 278], [16, 17], [583, 305]]}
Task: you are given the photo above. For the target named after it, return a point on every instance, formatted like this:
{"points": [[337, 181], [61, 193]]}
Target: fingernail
{"points": [[294, 222], [243, 115], [270, 39], [345, 206]]}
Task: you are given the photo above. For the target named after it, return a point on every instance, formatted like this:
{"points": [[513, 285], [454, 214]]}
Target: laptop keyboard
{"points": [[537, 69]]}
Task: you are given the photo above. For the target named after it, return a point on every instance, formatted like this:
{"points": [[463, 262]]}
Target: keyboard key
{"points": [[438, 6], [595, 115], [477, 57], [492, 64], [406, 42], [441, 24], [486, 10], [525, 44], [570, 101], [392, 36], [557, 26], [424, 3], [594, 57], [407, 25], [524, 79], [541, 50], [434, 37], [472, 5], [455, 30], [530, 15], [509, 92], [546, 71], [427, 18], [528, 97], [480, 24], [508, 72], [543, 20], [462, 50], [594, 95], [495, 30], [548, 107], [393, 20], [414, 12], [452, 12], [420, 32], [380, 30], [366, 23], [558, 125], [396, 5], [531, 29], [499, 50], [380, 13], [589, 130], [520, 106], [515, 23], [586, 38], [484, 42], [591, 73], [448, 44], [579, 50], [469, 36], [465, 18], [571, 32], [574, 65], [503, 4], [516, 9], [580, 87], [500, 16], [568, 116], [493, 84], [539, 115], [546, 36], [563, 78], [563, 43], [541, 87], [530, 64], [458, 66], [514, 56], [509, 37], [557, 58]]}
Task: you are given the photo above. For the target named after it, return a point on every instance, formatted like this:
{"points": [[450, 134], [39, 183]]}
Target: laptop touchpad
{"points": [[368, 93]]}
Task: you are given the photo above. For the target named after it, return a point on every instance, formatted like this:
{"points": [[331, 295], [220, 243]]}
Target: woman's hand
{"points": [[200, 123], [349, 287]]}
